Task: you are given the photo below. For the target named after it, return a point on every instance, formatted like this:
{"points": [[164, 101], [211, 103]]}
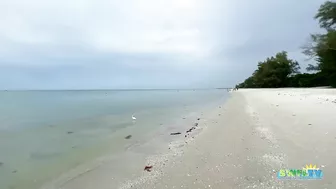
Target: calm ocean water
{"points": [[46, 133]]}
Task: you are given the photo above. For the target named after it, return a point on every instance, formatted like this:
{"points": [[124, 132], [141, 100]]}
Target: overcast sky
{"points": [[83, 44]]}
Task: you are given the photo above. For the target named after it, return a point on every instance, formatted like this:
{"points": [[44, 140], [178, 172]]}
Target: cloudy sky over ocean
{"points": [[85, 44]]}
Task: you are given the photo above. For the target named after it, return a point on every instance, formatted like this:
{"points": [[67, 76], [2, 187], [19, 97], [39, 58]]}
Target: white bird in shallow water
{"points": [[134, 118]]}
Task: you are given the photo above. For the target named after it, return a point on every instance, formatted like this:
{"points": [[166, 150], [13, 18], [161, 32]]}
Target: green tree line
{"points": [[280, 71]]}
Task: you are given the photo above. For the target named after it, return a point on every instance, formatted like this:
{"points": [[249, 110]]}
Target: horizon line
{"points": [[128, 89]]}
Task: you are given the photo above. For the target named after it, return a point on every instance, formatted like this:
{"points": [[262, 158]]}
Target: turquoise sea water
{"points": [[46, 133]]}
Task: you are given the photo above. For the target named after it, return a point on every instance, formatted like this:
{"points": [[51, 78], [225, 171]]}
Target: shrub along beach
{"points": [[157, 139], [280, 71]]}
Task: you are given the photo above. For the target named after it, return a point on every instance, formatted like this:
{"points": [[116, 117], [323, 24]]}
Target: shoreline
{"points": [[241, 144], [69, 131], [260, 132], [156, 151]]}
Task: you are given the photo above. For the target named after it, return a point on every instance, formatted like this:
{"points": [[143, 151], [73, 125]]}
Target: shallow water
{"points": [[46, 133]]}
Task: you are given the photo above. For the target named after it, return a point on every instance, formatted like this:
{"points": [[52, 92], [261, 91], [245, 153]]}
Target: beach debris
{"points": [[293, 115], [148, 168], [134, 118], [183, 118], [70, 132], [322, 166], [309, 124], [219, 114], [198, 118], [220, 106], [128, 137], [176, 133], [196, 124], [14, 171], [192, 128], [1, 163]]}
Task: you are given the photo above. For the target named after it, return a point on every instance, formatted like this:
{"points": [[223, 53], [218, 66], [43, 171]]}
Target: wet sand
{"points": [[242, 144]]}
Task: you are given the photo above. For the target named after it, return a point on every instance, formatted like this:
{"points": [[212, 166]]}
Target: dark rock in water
{"points": [[185, 136], [15, 171], [70, 132], [184, 118], [196, 124], [176, 133], [148, 168], [198, 118], [1, 163], [128, 137], [219, 114]]}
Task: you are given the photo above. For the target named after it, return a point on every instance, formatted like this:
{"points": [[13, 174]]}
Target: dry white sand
{"points": [[259, 132], [243, 144]]}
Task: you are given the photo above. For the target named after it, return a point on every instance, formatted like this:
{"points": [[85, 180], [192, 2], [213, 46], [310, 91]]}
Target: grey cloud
{"points": [[112, 44]]}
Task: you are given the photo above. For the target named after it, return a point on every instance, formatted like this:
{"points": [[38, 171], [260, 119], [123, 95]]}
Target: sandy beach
{"points": [[241, 144]]}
